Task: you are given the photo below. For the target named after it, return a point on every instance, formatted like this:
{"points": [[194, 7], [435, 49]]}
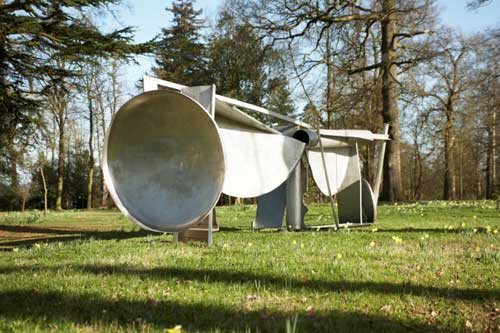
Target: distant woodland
{"points": [[334, 64]]}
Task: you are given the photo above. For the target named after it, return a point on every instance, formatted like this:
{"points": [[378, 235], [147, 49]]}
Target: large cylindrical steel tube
{"points": [[163, 161]]}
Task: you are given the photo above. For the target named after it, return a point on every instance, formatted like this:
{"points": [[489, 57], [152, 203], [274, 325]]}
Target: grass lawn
{"points": [[423, 268]]}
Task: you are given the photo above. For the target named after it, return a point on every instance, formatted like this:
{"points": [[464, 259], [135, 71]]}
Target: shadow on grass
{"points": [[35, 234], [423, 230], [86, 309], [272, 281], [233, 229]]}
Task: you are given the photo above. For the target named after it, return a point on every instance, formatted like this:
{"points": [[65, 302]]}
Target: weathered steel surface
{"points": [[369, 202], [359, 136], [295, 188], [342, 164], [271, 209], [355, 207], [164, 161], [288, 196], [257, 163], [151, 83]]}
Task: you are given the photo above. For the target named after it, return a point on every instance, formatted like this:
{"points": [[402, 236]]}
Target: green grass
{"points": [[423, 268]]}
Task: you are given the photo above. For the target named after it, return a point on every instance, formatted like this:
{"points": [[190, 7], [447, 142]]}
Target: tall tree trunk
{"points": [[493, 151], [3, 60], [461, 173], [90, 179], [449, 188], [489, 164], [479, 186], [102, 112], [491, 147], [391, 190], [60, 167], [330, 81], [44, 191]]}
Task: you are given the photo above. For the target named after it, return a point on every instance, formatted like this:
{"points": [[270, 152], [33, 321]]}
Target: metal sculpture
{"points": [[333, 158], [171, 151]]}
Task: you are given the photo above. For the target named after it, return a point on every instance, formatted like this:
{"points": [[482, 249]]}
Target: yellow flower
{"points": [[339, 255], [250, 244], [474, 217], [294, 242], [424, 237], [374, 230], [176, 329], [495, 231], [463, 225], [478, 249], [488, 229], [15, 249], [372, 243], [474, 230], [301, 245], [397, 239]]}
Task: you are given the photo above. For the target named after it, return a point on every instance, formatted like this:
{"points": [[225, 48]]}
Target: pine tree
{"points": [[237, 60], [37, 41], [279, 98], [33, 35], [180, 54]]}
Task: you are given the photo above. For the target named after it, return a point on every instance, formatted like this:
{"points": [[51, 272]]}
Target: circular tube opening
{"points": [[163, 161]]}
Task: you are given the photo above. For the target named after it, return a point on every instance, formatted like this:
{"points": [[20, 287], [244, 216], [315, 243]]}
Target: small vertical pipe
{"points": [[332, 204]]}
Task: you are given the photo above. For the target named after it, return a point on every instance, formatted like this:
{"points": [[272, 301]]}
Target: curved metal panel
{"points": [[163, 161], [369, 203], [257, 163], [271, 209], [343, 168]]}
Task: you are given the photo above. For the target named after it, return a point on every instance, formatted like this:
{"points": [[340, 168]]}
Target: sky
{"points": [[149, 16]]}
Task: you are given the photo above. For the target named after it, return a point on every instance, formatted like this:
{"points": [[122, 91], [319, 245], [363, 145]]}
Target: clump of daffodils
{"points": [[424, 237], [175, 329], [397, 239]]}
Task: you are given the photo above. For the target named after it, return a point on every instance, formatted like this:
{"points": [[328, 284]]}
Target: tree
{"points": [[90, 85], [57, 98], [37, 39], [450, 75], [279, 98], [485, 100], [399, 21], [236, 60], [180, 54], [31, 32], [243, 67]]}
